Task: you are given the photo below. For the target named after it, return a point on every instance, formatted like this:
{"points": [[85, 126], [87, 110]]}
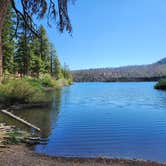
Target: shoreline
{"points": [[22, 155]]}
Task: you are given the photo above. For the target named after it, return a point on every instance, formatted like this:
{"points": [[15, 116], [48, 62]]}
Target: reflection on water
{"points": [[41, 117], [55, 107], [126, 120]]}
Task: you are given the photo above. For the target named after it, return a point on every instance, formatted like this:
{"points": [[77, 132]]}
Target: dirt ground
{"points": [[21, 155]]}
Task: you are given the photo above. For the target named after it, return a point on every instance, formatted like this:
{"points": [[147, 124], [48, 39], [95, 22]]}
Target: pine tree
{"points": [[23, 50], [8, 41], [52, 57], [36, 64], [67, 74], [29, 8], [33, 54], [57, 68], [45, 50], [19, 57]]}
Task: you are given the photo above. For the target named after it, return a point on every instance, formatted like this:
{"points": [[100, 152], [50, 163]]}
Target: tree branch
{"points": [[25, 17]]}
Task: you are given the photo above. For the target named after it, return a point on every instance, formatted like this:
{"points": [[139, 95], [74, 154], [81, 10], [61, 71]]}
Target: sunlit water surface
{"points": [[124, 120]]}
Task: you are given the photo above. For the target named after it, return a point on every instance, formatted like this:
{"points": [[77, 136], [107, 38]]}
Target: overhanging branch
{"points": [[25, 17]]}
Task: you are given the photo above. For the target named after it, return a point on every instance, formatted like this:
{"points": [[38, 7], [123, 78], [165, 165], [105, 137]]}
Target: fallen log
{"points": [[20, 120]]}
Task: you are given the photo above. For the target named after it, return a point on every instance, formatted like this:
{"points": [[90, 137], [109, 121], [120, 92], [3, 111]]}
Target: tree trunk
{"points": [[51, 66], [1, 67], [3, 10]]}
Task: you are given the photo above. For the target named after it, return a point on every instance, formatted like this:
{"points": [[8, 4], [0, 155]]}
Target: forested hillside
{"points": [[151, 72]]}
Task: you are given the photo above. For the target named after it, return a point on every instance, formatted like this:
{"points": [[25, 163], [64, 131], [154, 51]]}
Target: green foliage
{"points": [[7, 76], [62, 82], [21, 91], [36, 63], [31, 58], [8, 42], [45, 50], [52, 57], [161, 84], [16, 137], [46, 80], [67, 74], [35, 82], [13, 138], [57, 69], [32, 53], [20, 55], [29, 89]]}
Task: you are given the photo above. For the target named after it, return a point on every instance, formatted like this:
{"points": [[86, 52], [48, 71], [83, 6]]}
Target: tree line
{"points": [[28, 54], [151, 72], [26, 10]]}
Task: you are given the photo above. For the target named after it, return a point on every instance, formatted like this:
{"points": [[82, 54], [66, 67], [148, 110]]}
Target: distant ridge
{"points": [[150, 72], [162, 61]]}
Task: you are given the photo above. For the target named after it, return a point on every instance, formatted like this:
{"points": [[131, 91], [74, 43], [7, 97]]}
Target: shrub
{"points": [[46, 80], [34, 82], [28, 89], [16, 137], [161, 84], [21, 91]]}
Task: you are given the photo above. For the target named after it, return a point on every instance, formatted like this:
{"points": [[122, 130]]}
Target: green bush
{"points": [[28, 89], [21, 91], [46, 80], [161, 84], [61, 82], [34, 82]]}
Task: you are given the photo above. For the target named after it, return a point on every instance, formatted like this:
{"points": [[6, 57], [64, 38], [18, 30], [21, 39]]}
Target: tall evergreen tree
{"points": [[45, 50], [8, 41], [19, 57], [52, 57], [57, 68], [33, 54], [36, 65], [31, 8], [66, 73], [23, 50]]}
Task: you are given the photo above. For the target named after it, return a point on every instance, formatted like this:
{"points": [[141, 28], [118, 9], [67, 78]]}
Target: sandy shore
{"points": [[21, 155]]}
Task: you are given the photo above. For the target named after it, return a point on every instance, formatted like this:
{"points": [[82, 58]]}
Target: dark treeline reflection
{"points": [[55, 106], [41, 117]]}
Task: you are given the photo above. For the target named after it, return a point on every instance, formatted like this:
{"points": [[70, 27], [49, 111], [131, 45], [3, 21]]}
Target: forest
{"points": [[151, 72], [30, 62]]}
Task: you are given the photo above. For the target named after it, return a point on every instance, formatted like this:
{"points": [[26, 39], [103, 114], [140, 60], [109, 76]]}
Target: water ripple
{"points": [[109, 119]]}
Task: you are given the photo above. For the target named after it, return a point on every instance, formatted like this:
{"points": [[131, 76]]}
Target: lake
{"points": [[122, 120]]}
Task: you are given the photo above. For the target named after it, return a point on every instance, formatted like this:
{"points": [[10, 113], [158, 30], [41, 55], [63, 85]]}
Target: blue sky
{"points": [[110, 33]]}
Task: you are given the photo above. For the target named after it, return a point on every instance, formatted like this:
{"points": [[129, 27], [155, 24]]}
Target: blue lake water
{"points": [[122, 120]]}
